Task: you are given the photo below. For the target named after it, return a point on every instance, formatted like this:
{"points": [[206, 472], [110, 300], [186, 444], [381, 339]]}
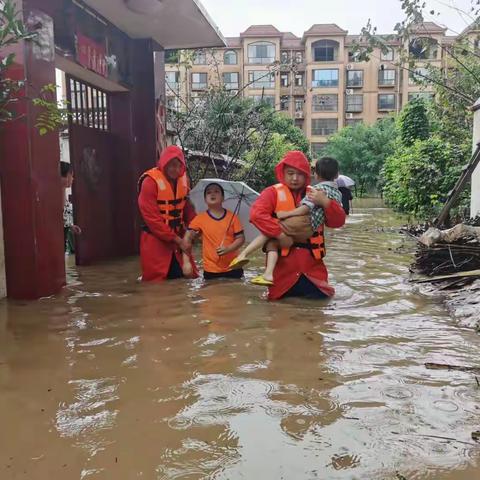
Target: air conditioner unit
{"points": [[298, 114], [349, 116], [349, 66], [349, 91]]}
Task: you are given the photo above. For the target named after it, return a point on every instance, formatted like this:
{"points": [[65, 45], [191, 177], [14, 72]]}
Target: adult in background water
{"points": [[69, 228], [166, 211], [300, 271]]}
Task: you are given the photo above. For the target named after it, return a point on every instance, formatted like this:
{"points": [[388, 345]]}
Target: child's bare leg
{"points": [[187, 267], [271, 247], [272, 259], [256, 244]]}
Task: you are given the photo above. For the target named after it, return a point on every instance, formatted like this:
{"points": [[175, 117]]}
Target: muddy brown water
{"points": [[116, 380]]}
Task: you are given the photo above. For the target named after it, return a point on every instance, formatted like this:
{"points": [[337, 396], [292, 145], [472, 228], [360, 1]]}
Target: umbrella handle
{"points": [[237, 209]]}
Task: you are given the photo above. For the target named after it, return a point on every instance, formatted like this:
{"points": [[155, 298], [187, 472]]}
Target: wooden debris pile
{"points": [[452, 253]]}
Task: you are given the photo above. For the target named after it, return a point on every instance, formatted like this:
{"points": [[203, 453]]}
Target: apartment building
{"points": [[317, 79]]}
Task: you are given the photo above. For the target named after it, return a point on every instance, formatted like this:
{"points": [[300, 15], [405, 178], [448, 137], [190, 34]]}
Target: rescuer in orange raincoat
{"points": [[300, 270], [166, 212]]}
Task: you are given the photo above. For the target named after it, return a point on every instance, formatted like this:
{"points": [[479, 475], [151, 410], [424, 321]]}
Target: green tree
{"points": [[286, 126], [361, 151], [12, 31], [262, 158], [419, 176], [51, 115], [414, 123]]}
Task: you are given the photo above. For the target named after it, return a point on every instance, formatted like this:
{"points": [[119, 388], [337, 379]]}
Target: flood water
{"points": [[116, 380]]}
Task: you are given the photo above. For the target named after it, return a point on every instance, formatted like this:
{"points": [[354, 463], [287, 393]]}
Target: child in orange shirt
{"points": [[222, 235]]}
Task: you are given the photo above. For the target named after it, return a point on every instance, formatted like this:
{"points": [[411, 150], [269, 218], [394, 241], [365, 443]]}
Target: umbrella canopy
{"points": [[344, 181], [239, 197]]}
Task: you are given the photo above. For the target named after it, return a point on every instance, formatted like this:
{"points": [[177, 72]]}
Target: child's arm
{"points": [[297, 212], [235, 245], [318, 197]]}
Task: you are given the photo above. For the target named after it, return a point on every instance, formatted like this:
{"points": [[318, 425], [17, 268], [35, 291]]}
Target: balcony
{"points": [[199, 86], [386, 83]]}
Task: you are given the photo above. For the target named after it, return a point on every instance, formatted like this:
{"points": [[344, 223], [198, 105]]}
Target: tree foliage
{"points": [[361, 151], [51, 115], [419, 176], [414, 123], [252, 134]]}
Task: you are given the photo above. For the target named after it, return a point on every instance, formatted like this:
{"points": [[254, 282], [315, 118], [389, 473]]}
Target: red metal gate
{"points": [[92, 153]]}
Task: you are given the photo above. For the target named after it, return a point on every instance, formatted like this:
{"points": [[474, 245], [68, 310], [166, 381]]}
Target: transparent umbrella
{"points": [[239, 197]]}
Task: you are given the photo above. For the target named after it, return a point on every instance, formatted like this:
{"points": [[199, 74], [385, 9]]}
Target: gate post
{"points": [[475, 182], [30, 178]]}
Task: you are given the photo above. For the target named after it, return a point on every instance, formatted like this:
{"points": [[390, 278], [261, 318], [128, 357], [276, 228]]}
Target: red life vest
{"points": [[170, 203], [286, 202]]}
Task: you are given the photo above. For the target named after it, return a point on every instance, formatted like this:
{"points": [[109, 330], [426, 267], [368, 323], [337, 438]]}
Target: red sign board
{"points": [[91, 54]]}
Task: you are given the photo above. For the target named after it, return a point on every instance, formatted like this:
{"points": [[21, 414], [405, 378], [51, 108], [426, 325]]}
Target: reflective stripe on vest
{"points": [[170, 204], [286, 202]]}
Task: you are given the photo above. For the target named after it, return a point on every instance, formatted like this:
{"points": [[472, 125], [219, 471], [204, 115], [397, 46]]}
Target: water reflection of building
{"points": [[112, 55]]}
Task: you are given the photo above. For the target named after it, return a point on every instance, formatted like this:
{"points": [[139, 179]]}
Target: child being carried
{"points": [[298, 224]]}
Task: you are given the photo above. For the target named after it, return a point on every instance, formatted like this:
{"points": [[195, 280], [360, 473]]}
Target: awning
{"points": [[171, 23]]}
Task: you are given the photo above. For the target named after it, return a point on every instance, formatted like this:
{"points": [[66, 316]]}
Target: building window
{"points": [[317, 149], [230, 57], [172, 80], [284, 102], [298, 57], [351, 122], [299, 104], [199, 81], [414, 78], [387, 77], [386, 102], [387, 55], [230, 80], [172, 56], [354, 78], [325, 78], [299, 123], [325, 103], [285, 57], [427, 96], [261, 53], [266, 99], [354, 103], [423, 48], [284, 80], [325, 51], [299, 79], [200, 58], [261, 79], [324, 126]]}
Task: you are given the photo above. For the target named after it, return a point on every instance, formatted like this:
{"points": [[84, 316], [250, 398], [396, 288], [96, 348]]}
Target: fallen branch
{"points": [[434, 236], [451, 276], [445, 366]]}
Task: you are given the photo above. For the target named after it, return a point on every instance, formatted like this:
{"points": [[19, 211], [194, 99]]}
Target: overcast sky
{"points": [[234, 16]]}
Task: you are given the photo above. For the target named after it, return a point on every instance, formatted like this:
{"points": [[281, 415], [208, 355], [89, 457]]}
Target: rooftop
{"points": [[428, 27], [324, 29], [261, 31]]}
